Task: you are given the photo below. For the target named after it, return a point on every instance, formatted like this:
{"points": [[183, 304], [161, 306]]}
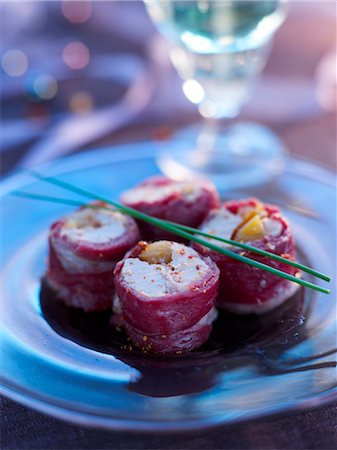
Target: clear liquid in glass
{"points": [[218, 47]]}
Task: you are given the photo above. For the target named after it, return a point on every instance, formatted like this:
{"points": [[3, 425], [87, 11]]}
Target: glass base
{"points": [[245, 154]]}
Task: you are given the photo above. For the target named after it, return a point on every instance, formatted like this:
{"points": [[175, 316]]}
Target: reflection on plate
{"points": [[235, 341], [72, 365]]}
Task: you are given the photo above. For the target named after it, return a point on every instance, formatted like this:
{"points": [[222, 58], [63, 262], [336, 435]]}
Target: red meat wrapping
{"points": [[82, 271], [169, 313], [179, 342], [111, 250], [175, 206], [247, 289], [88, 291]]}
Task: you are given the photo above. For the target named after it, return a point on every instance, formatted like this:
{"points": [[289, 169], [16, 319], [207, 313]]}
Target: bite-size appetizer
{"points": [[178, 342], [84, 248], [245, 289], [185, 202], [166, 294]]}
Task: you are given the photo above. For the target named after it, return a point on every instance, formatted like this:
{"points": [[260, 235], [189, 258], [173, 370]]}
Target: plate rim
{"points": [[117, 424]]}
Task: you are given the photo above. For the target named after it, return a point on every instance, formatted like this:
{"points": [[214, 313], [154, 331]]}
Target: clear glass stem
{"points": [[232, 154], [219, 48]]}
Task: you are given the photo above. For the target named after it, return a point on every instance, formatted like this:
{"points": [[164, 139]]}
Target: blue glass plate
{"points": [[71, 365]]}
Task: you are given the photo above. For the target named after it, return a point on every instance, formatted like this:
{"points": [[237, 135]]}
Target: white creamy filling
{"points": [[222, 224], [188, 190], [95, 226], [75, 264], [156, 280], [272, 227], [116, 305], [210, 317]]}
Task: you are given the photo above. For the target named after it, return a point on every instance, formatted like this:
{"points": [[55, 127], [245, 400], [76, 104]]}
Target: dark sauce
{"points": [[235, 341]]}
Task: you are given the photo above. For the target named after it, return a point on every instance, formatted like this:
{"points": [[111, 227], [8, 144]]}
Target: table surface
{"points": [[298, 113]]}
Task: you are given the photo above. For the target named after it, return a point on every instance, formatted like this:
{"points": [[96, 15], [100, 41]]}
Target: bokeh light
{"points": [[15, 63], [193, 91], [326, 81], [76, 11], [45, 87], [207, 109], [81, 103], [76, 55]]}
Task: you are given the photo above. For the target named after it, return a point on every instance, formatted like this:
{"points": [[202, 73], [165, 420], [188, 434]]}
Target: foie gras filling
{"points": [[95, 226], [152, 193], [249, 224], [164, 268]]}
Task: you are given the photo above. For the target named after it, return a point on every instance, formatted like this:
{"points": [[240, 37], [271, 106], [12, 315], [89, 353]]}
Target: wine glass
{"points": [[219, 48]]}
